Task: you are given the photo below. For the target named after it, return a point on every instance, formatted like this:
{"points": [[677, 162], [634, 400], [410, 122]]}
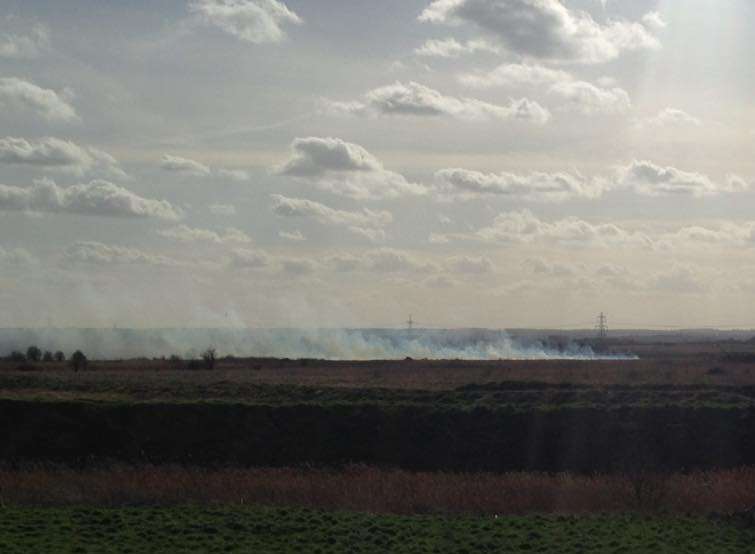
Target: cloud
{"points": [[544, 29], [295, 236], [25, 45], [381, 260], [16, 257], [184, 165], [187, 166], [249, 259], [18, 94], [97, 253], [471, 265], [97, 198], [669, 117], [577, 95], [414, 99], [222, 209], [467, 184], [297, 266], [679, 279], [184, 233], [345, 168], [357, 221], [55, 153], [255, 21], [452, 48], [648, 179], [515, 74], [654, 20], [590, 99], [523, 227]]}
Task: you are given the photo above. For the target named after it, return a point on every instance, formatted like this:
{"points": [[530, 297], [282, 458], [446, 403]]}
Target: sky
{"points": [[290, 163]]}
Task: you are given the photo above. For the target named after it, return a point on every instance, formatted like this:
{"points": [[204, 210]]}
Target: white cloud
{"points": [[55, 153], [654, 20], [284, 206], [471, 265], [590, 99], [544, 29], [468, 184], [515, 74], [679, 280], [345, 168], [255, 21], [222, 209], [97, 198], [18, 94], [295, 236], [233, 174], [184, 233], [381, 260], [92, 252], [24, 45], [522, 227], [648, 179], [577, 95], [414, 99], [184, 165], [16, 257], [297, 266], [452, 48], [249, 259], [669, 117]]}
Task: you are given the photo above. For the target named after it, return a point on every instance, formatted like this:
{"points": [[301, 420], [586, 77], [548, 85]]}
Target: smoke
{"points": [[330, 344]]}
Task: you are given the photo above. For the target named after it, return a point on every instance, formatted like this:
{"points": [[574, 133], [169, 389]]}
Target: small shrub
{"points": [[59, 356], [209, 357], [47, 356]]}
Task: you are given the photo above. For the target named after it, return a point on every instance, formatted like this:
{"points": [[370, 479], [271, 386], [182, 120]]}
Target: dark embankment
{"points": [[415, 437]]}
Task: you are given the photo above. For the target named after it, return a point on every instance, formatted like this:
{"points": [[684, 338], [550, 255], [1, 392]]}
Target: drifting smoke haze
{"points": [[329, 344]]}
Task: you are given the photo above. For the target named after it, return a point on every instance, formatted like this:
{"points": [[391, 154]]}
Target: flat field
{"points": [[258, 530]]}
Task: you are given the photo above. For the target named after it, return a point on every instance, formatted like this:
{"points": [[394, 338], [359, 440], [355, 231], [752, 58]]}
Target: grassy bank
{"points": [[185, 529]]}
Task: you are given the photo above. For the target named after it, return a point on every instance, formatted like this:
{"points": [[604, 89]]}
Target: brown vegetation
{"points": [[367, 489]]}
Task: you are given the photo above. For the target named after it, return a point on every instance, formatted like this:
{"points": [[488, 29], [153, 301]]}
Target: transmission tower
{"points": [[410, 324], [602, 326]]}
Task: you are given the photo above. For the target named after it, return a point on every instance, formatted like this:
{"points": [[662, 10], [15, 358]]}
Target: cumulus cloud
{"points": [[467, 184], [575, 95], [649, 179], [381, 260], [55, 153], [680, 280], [515, 74], [255, 21], [24, 45], [184, 233], [16, 257], [452, 48], [296, 236], [242, 258], [18, 94], [523, 227], [187, 166], [544, 29], [97, 198], [92, 252], [367, 223], [590, 99], [184, 165], [471, 265], [669, 117], [345, 168], [222, 209], [297, 266], [414, 99], [654, 20]]}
